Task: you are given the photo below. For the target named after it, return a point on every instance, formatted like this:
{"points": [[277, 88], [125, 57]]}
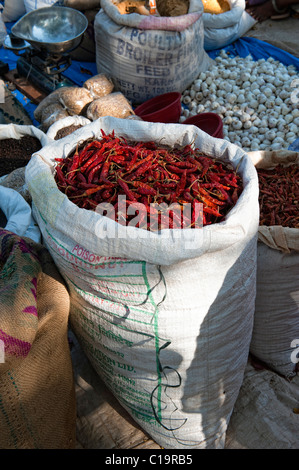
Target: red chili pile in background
{"points": [[279, 196], [102, 169]]}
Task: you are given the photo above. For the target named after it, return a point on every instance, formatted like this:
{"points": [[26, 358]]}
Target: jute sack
{"points": [[36, 377], [275, 337], [146, 56], [165, 318]]}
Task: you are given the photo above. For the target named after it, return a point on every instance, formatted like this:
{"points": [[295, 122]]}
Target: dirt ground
{"points": [[280, 33]]}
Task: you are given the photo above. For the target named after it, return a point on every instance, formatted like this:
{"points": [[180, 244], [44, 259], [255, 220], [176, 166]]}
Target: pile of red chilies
{"points": [[101, 170], [279, 196]]}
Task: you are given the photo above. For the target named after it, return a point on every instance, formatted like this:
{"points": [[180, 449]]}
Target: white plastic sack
{"points": [[275, 338], [16, 131], [146, 56], [3, 33], [165, 319], [224, 28], [35, 4], [66, 122], [13, 10], [18, 214], [245, 24]]}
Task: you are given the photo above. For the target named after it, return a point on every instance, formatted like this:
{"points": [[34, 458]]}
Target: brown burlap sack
{"points": [[37, 395]]}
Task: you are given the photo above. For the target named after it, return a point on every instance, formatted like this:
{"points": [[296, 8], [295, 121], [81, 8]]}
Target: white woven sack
{"points": [[228, 18], [224, 28], [36, 4], [18, 214], [3, 33], [146, 56], [66, 122], [16, 131], [165, 319], [13, 10], [275, 337]]}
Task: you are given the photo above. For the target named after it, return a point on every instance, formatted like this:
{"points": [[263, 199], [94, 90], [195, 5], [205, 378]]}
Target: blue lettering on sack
{"points": [[163, 42], [144, 55]]}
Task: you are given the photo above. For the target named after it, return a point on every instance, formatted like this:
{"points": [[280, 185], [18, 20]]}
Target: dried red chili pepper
{"points": [[143, 188], [279, 196], [130, 195], [106, 168]]}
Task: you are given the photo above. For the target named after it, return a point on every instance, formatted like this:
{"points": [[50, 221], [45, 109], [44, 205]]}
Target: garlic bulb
{"points": [[253, 98]]}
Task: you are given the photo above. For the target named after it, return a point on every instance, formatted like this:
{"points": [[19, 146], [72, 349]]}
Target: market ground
{"points": [[281, 33]]}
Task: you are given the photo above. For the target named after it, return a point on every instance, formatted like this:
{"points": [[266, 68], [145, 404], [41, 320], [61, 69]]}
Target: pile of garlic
{"points": [[257, 101]]}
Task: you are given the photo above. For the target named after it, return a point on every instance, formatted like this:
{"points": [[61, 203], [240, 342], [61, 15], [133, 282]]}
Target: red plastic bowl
{"points": [[162, 108], [210, 123]]}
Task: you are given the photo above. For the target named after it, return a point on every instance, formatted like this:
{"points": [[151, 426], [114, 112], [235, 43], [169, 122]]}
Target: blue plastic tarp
{"points": [[258, 50], [294, 146]]}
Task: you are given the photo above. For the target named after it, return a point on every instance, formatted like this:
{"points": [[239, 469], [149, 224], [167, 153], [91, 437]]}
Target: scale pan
{"points": [[54, 29]]}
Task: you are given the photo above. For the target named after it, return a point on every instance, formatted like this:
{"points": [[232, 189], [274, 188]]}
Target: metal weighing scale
{"points": [[45, 37]]}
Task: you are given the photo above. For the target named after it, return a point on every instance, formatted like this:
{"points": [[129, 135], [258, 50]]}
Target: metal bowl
{"points": [[55, 29]]}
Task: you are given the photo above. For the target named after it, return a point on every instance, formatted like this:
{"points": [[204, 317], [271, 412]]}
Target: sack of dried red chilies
{"points": [[275, 338], [148, 175], [165, 316], [279, 196]]}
